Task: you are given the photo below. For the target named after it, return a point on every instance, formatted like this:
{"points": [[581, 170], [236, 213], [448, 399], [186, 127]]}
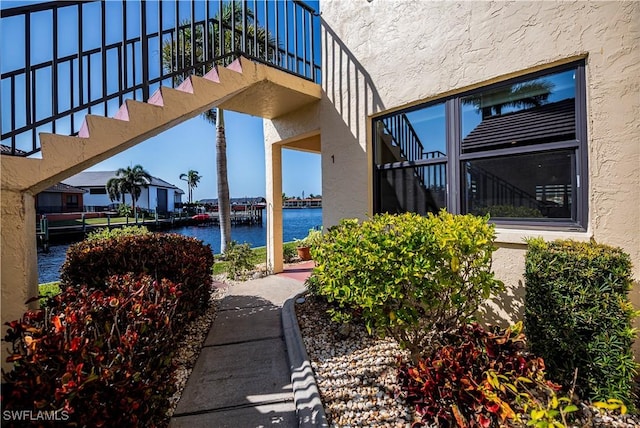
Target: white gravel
{"points": [[356, 375]]}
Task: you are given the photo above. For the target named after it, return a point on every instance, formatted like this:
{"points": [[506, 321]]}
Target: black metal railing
{"points": [[488, 186], [72, 58], [404, 136]]}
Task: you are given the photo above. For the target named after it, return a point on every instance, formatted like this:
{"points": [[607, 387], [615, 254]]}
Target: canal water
{"points": [[296, 225]]}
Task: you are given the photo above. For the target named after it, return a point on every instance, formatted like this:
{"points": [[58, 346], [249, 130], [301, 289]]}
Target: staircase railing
{"points": [[404, 136], [502, 191], [77, 57]]}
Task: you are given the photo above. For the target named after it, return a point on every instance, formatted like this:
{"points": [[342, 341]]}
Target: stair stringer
{"points": [[100, 137]]}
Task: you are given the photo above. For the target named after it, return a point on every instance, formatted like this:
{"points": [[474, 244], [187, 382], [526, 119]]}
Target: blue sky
{"points": [[190, 145]]}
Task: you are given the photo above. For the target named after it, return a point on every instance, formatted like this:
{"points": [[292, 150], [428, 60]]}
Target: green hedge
{"points": [[180, 259], [578, 315], [408, 276]]}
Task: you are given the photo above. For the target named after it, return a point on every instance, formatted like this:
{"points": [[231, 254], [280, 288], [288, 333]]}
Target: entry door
{"points": [[162, 200]]}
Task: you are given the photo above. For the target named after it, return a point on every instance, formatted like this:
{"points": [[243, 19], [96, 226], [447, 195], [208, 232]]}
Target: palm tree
{"points": [[527, 94], [176, 55], [129, 180], [192, 178], [115, 190]]}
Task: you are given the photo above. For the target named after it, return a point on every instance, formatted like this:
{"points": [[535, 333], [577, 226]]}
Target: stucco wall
{"points": [[384, 55]]}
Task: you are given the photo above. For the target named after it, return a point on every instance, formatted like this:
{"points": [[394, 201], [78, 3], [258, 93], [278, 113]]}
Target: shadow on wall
{"points": [[506, 308], [347, 83]]}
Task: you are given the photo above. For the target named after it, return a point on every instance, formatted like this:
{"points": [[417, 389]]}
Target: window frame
{"points": [[454, 158]]}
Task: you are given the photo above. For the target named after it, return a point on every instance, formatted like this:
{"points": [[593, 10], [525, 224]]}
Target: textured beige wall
{"points": [[382, 55]]}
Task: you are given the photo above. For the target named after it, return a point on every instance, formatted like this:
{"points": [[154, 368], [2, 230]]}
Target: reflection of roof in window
{"points": [[547, 123]]}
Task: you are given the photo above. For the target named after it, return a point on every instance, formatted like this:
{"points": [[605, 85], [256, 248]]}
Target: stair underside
{"points": [[243, 86]]}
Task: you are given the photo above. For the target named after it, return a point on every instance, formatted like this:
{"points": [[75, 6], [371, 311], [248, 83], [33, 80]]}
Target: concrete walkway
{"points": [[252, 370]]}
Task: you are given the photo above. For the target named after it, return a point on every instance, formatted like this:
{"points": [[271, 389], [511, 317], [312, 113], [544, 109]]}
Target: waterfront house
{"points": [[302, 203], [159, 196], [60, 198]]}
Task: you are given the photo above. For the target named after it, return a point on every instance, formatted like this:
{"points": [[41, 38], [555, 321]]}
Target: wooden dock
{"points": [[46, 233]]}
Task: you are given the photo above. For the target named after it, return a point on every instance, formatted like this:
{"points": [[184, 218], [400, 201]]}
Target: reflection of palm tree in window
{"points": [[518, 96]]}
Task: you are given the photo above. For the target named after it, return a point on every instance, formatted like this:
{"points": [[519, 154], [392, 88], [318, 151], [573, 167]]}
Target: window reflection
{"points": [[499, 187], [532, 112], [415, 189], [412, 136]]}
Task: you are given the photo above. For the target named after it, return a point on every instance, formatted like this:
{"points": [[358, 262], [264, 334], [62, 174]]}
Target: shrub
{"points": [[124, 210], [106, 233], [102, 356], [47, 291], [578, 315], [239, 260], [482, 378], [289, 252], [508, 211], [408, 276], [313, 239], [180, 259]]}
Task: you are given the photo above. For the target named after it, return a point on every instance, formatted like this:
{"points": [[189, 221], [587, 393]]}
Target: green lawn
{"points": [[48, 289]]}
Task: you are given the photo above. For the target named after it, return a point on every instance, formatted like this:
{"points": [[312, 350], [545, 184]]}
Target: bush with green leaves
{"points": [[124, 210], [578, 315], [289, 252], [407, 276], [106, 233], [239, 260]]}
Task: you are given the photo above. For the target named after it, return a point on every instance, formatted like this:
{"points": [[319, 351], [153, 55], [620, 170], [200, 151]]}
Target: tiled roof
{"points": [[549, 122], [64, 188], [100, 178]]}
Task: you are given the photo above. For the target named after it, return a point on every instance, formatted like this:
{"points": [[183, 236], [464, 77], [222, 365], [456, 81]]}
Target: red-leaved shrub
{"points": [[480, 380], [180, 259], [101, 356]]}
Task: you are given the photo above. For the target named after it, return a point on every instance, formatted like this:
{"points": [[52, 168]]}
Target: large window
{"points": [[514, 150]]}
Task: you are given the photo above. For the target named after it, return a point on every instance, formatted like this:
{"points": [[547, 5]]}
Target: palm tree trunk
{"points": [[133, 207], [224, 204]]}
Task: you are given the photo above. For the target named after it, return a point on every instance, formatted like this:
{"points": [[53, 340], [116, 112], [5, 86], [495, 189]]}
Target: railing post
{"points": [[144, 43]]}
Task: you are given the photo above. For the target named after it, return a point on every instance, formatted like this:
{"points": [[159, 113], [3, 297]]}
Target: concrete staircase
{"points": [[243, 86]]}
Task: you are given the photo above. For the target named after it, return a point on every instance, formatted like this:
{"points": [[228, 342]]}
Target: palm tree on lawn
{"points": [[176, 54], [129, 180], [192, 178]]}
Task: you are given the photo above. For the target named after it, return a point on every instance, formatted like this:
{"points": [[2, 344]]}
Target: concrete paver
{"points": [[238, 375], [249, 323], [278, 414], [243, 375]]}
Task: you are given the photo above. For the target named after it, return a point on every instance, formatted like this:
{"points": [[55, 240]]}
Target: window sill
{"points": [[518, 236]]}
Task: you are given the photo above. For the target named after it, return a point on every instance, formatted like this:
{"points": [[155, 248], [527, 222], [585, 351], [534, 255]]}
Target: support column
{"points": [[19, 263], [273, 157]]}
